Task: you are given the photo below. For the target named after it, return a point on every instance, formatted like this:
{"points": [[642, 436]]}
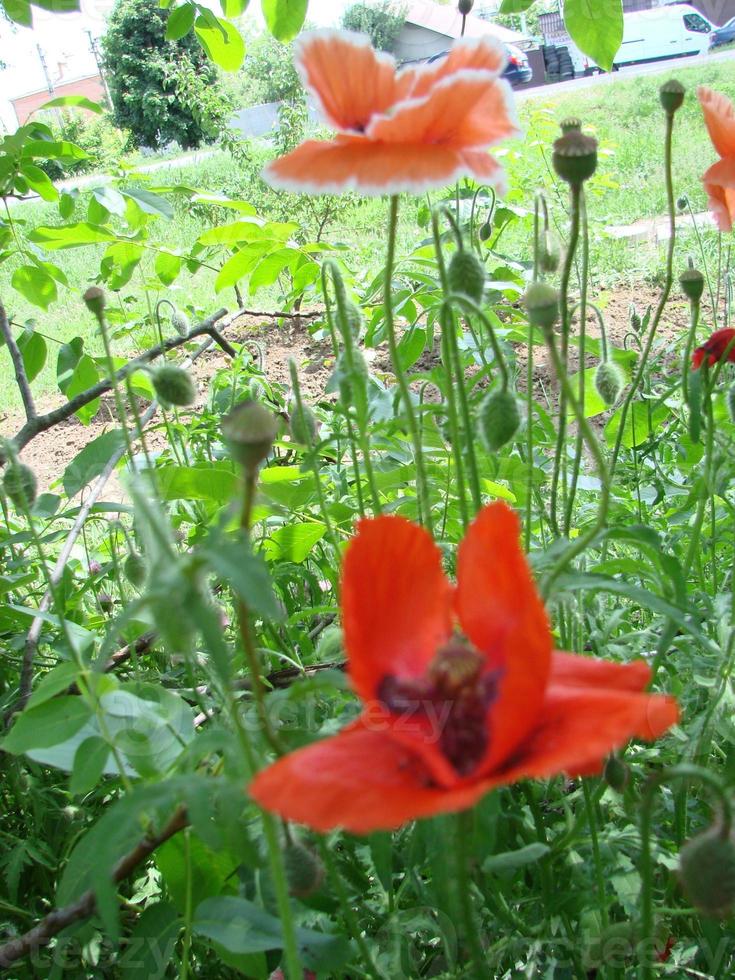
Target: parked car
{"points": [[723, 35], [517, 71]]}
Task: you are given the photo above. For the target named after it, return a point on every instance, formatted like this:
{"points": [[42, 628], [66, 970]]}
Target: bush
{"points": [[381, 22], [97, 135]]}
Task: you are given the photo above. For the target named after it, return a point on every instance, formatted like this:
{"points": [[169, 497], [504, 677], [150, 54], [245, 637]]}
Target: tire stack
{"points": [[558, 63], [566, 68]]}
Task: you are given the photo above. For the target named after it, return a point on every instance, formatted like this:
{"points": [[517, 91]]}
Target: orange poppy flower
{"points": [[719, 180], [398, 130], [448, 716], [714, 348]]}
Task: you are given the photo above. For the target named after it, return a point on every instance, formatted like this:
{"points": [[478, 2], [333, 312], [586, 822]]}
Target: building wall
{"points": [[90, 87], [415, 43], [718, 12]]}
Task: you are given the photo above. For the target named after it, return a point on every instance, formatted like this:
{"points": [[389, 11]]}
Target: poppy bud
{"points": [[181, 323], [250, 430], [304, 870], [173, 385], [707, 871], [485, 231], [549, 253], [575, 157], [352, 319], [609, 381], [134, 569], [20, 486], [671, 95], [302, 424], [636, 323], [465, 6], [692, 284], [571, 123], [104, 599], [94, 299], [730, 397], [331, 644], [499, 419], [682, 203], [466, 275], [360, 371], [616, 774], [542, 305]]}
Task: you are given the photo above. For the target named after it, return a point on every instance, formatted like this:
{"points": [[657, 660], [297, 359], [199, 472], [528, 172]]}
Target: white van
{"points": [[672, 31]]}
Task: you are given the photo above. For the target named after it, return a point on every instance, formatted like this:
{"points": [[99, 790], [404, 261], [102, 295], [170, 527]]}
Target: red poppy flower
{"points": [[407, 130], [714, 348], [719, 180], [448, 715]]}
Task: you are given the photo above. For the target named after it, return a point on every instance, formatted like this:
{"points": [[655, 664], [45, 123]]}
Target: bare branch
{"points": [[21, 377], [84, 907]]}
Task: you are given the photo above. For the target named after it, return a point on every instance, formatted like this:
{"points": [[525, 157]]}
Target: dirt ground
{"points": [[50, 452]]}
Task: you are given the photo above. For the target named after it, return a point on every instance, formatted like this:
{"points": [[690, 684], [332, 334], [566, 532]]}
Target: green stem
{"points": [[599, 870], [463, 836]]}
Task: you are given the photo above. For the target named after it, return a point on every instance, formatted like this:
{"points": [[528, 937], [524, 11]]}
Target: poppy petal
{"points": [[578, 727], [349, 79], [396, 602], [359, 780], [345, 164], [467, 110], [719, 184], [719, 116], [503, 616], [571, 670], [477, 54]]}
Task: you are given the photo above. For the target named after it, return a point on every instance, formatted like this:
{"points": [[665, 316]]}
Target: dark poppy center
{"points": [[451, 701]]}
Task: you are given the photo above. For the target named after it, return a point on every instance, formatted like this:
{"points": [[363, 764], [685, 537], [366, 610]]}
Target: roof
{"points": [[448, 21]]}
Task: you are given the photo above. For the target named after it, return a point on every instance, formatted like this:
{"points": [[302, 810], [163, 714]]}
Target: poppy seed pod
{"points": [[571, 123], [542, 305], [498, 419], [466, 275], [465, 6], [692, 284], [671, 95], [20, 485], [575, 157], [609, 381], [302, 424], [304, 870], [94, 299], [173, 385], [181, 323], [250, 430], [707, 871], [616, 774], [134, 569]]}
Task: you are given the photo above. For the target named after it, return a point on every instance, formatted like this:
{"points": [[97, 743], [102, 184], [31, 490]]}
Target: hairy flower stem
{"points": [[422, 489], [599, 870], [575, 193], [686, 366], [582, 307], [463, 836], [454, 433], [668, 281], [706, 490]]}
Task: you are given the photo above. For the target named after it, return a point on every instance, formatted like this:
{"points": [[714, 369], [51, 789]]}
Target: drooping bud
{"points": [[250, 430], [173, 385], [549, 253], [671, 95], [346, 378], [485, 231], [498, 419], [466, 275], [94, 299], [616, 774], [465, 6], [181, 323], [104, 599], [575, 157], [570, 124], [303, 424], [692, 284], [707, 871], [609, 381], [20, 485], [636, 323], [304, 870], [352, 319], [542, 305], [331, 645], [682, 203], [134, 569]]}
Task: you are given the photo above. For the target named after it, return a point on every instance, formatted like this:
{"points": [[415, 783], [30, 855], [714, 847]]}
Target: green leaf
{"points": [[54, 150], [233, 8], [152, 942], [19, 11], [91, 461], [246, 573], [515, 6], [110, 198], [270, 268], [89, 764], [284, 18], [53, 683], [34, 350], [168, 266], [66, 361], [48, 724], [71, 236], [73, 102], [36, 285], [84, 375], [293, 542], [180, 22], [643, 420], [510, 860], [220, 39], [238, 266], [39, 181], [216, 482], [149, 202], [596, 27]]}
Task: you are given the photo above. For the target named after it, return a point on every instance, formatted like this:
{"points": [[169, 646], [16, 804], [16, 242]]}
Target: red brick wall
{"points": [[91, 87]]}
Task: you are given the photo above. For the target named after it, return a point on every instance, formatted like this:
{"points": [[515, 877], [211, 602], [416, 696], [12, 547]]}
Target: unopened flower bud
{"points": [[542, 305], [20, 486], [636, 324], [181, 323], [104, 599], [465, 6], [549, 253], [359, 373], [331, 644], [485, 231], [707, 871], [609, 381], [692, 284], [575, 157], [466, 275], [173, 385], [302, 424], [304, 870], [671, 95], [498, 419], [250, 430], [682, 203], [94, 299], [616, 774], [134, 569]]}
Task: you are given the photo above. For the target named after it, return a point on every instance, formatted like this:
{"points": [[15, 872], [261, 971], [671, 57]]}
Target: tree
{"points": [[382, 22], [142, 67]]}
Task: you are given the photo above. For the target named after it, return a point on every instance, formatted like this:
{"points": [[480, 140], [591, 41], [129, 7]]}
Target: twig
{"points": [[84, 907], [21, 377], [280, 315]]}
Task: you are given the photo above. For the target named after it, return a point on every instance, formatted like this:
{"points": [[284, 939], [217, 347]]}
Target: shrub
{"points": [[382, 22]]}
